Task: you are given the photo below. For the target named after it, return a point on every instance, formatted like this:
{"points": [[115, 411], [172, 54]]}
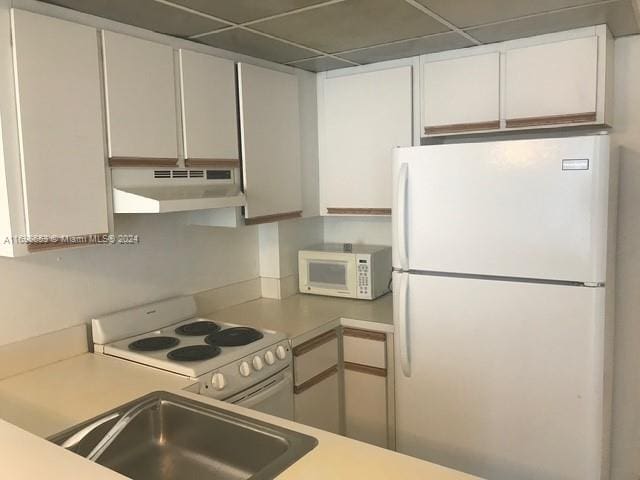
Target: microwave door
{"points": [[330, 277]]}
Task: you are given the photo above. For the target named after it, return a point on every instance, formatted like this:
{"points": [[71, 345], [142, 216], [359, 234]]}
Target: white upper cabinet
{"points": [[209, 111], [552, 83], [141, 101], [555, 80], [461, 94], [60, 127], [271, 162], [363, 117]]}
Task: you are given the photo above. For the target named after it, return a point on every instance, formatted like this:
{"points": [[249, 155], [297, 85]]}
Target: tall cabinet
{"points": [[60, 128], [363, 115], [270, 133]]}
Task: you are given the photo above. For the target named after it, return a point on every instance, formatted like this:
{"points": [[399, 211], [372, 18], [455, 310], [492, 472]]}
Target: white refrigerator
{"points": [[502, 306]]}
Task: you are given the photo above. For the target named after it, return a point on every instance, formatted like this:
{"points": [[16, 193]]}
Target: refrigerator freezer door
{"points": [[524, 208], [506, 378]]}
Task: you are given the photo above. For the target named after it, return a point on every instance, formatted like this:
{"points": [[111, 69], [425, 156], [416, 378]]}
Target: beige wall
{"points": [[626, 405], [53, 290]]}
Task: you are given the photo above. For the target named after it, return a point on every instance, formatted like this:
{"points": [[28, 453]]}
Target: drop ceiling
{"points": [[319, 35]]}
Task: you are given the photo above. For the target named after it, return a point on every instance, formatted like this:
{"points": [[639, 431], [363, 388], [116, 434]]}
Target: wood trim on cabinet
{"points": [[212, 162], [315, 380], [276, 217], [71, 241], [358, 211], [314, 343], [142, 162], [367, 369], [366, 334], [461, 127], [586, 117]]}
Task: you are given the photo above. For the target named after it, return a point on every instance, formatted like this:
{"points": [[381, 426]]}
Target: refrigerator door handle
{"points": [[400, 240], [402, 321]]}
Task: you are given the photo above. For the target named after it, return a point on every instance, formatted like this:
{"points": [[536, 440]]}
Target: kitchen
{"points": [[212, 198]]}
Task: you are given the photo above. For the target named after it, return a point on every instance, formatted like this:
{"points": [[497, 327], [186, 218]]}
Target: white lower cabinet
{"points": [[367, 391], [353, 397], [317, 383], [319, 405]]}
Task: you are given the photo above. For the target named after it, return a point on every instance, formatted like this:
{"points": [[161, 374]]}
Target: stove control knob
{"points": [[245, 369], [257, 363], [218, 381], [269, 357], [281, 353]]}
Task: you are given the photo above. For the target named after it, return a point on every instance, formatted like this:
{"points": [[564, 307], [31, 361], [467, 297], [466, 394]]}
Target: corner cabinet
{"points": [[363, 116], [316, 379], [59, 122], [140, 90], [270, 142], [557, 80]]}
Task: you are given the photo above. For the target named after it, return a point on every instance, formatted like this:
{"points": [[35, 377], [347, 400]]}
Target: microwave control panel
{"points": [[364, 277]]}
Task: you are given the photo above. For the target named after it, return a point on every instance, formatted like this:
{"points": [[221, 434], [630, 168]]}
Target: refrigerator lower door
{"points": [[506, 378]]}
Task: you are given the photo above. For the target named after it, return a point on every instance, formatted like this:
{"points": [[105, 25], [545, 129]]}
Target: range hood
{"points": [[144, 190]]}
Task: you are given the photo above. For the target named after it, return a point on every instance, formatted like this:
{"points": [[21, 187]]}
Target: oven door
{"points": [[273, 395], [328, 273]]}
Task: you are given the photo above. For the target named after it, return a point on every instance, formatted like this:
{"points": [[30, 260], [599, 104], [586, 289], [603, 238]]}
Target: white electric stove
{"points": [[239, 364]]}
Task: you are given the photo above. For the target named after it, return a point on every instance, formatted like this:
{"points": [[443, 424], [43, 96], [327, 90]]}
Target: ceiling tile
{"points": [[256, 45], [321, 64], [619, 16], [352, 24], [408, 48], [467, 13], [147, 14], [245, 10]]}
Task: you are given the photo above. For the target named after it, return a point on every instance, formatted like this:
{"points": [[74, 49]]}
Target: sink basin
{"points": [[173, 437]]}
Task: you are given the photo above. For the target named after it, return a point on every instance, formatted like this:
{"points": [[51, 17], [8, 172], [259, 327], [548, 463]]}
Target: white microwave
{"points": [[344, 270]]}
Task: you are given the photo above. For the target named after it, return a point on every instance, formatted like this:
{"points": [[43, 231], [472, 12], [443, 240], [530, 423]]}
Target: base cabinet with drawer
{"points": [[316, 382], [367, 393]]}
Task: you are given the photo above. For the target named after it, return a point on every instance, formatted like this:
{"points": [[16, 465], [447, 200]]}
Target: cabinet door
{"points": [[365, 405], [319, 405], [141, 101], [57, 76], [554, 83], [209, 111], [461, 94], [269, 122], [365, 116]]}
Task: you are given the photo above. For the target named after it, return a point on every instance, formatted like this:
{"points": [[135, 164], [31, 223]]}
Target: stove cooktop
{"points": [[193, 347]]}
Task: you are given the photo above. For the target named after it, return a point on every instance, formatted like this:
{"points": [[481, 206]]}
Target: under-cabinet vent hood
{"points": [[144, 190]]}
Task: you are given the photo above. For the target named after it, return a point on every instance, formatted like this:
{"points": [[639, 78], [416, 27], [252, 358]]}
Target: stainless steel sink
{"points": [[167, 436]]}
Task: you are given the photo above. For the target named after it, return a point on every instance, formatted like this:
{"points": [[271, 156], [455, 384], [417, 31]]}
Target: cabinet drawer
{"points": [[319, 405], [364, 347], [315, 356]]}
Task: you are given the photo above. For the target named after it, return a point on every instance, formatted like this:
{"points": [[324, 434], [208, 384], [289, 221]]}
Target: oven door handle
{"points": [[270, 390]]}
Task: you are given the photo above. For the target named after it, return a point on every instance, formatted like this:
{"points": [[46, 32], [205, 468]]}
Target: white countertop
{"points": [[49, 399], [26, 456], [301, 316]]}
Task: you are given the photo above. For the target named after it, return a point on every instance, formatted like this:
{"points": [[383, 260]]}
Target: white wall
{"points": [[369, 230], [626, 407], [54, 290]]}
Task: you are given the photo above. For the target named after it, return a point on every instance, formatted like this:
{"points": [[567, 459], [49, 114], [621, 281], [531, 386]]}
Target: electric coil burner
{"points": [[151, 344], [234, 337], [194, 353], [199, 328]]}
